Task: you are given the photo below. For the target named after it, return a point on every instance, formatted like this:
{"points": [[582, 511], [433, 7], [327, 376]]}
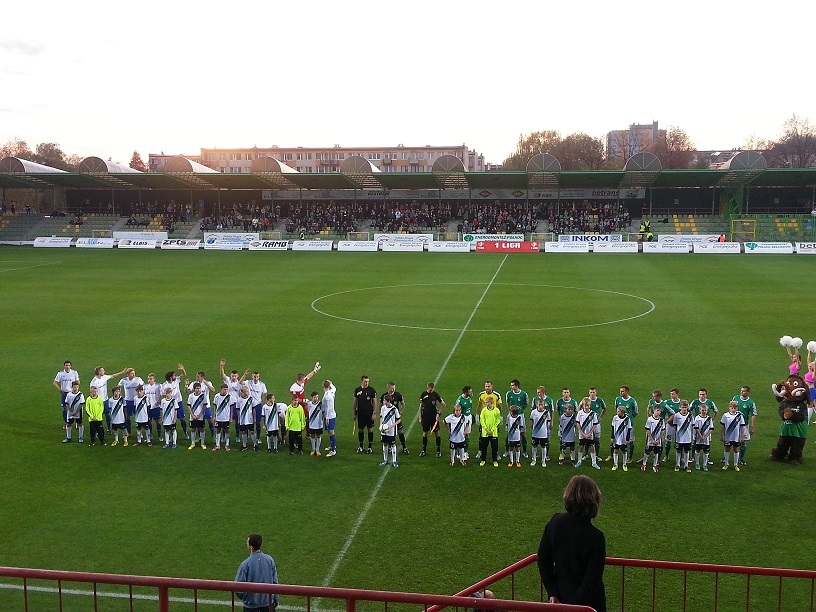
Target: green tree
{"points": [[674, 150], [15, 148], [136, 162], [796, 147], [545, 141], [50, 154], [580, 152]]}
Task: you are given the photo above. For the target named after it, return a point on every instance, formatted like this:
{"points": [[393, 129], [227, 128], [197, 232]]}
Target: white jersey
{"points": [[655, 428], [233, 388], [142, 404], [515, 425], [270, 418], [66, 379], [621, 429], [197, 404], [246, 416], [257, 391], [282, 411], [168, 408], [222, 403], [315, 412], [566, 428], [541, 423], [205, 389], [74, 402], [703, 426], [389, 415], [153, 395], [587, 424], [117, 410], [734, 425], [459, 427], [129, 387], [328, 402], [297, 388], [683, 429], [101, 384], [175, 387]]}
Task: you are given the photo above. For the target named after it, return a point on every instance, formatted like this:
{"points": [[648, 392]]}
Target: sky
{"points": [[108, 78]]}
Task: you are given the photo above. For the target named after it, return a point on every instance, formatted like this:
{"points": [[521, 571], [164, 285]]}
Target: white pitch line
{"points": [[138, 596], [364, 512], [50, 263]]}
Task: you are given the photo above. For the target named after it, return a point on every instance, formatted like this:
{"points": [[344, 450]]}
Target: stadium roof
{"points": [[26, 176]]}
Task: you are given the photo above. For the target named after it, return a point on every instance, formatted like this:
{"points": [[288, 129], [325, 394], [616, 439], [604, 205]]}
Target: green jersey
{"points": [[548, 403], [562, 404], [466, 403], [629, 404], [519, 399], [598, 406], [695, 407], [747, 408], [670, 407]]}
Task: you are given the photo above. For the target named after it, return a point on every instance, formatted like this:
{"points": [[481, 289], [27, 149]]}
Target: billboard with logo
{"points": [[782, 248]]}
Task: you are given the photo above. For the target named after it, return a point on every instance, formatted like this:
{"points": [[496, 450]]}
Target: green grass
{"points": [[716, 323]]}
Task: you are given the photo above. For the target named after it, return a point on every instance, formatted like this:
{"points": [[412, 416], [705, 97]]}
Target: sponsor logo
{"points": [[494, 237], [357, 245], [52, 241], [423, 238], [95, 243], [768, 247], [137, 244], [180, 244], [456, 247], [590, 238]]}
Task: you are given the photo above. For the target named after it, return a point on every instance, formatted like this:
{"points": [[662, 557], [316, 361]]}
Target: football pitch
{"points": [[646, 321]]}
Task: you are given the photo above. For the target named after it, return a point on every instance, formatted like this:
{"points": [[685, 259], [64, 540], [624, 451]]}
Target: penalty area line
{"points": [[375, 492]]}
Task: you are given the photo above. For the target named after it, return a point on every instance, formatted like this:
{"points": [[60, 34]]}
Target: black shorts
{"points": [[76, 419], [365, 420], [316, 432], [541, 441], [142, 425], [515, 444], [622, 447], [274, 432], [222, 426], [249, 427], [455, 445], [428, 423], [197, 424], [118, 426], [387, 440], [171, 427], [683, 446], [702, 447], [587, 442], [731, 444], [570, 445], [650, 448]]}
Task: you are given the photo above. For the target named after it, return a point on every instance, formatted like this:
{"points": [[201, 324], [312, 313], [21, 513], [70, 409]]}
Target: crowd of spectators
{"points": [[410, 216], [171, 210], [495, 217], [247, 217], [338, 218], [586, 216]]}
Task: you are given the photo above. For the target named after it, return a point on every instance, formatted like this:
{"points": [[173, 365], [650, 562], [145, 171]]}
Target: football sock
{"points": [[243, 439], [370, 437], [81, 431], [184, 426], [705, 459], [453, 454], [385, 453], [107, 420], [592, 455], [401, 439], [175, 437], [424, 443], [218, 438], [166, 436], [318, 442], [524, 443], [615, 458], [677, 459], [656, 459], [438, 443], [212, 429], [360, 436], [742, 452], [394, 454], [725, 457], [333, 440], [625, 457], [226, 438]]}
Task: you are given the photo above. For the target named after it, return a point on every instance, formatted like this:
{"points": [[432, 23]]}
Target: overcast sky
{"points": [[107, 78]]}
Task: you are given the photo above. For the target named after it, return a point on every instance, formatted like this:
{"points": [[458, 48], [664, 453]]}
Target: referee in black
{"points": [[365, 403]]}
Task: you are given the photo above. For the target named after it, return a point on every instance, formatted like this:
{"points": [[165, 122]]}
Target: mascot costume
{"points": [[792, 395]]}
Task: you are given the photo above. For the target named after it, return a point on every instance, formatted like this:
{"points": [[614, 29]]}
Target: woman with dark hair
{"points": [[572, 551]]}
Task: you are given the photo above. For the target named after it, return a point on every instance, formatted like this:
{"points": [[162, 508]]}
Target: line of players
{"points": [[244, 402]]}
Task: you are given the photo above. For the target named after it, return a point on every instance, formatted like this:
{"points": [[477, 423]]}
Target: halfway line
{"points": [[364, 512]]}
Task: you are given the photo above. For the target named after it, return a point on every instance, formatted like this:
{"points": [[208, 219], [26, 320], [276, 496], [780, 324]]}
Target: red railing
{"points": [[349, 598], [799, 601]]}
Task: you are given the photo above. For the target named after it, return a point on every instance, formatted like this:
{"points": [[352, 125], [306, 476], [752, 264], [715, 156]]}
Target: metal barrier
{"points": [[348, 598], [708, 595]]}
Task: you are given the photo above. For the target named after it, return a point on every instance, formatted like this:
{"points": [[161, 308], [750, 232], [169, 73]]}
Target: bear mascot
{"points": [[792, 395]]}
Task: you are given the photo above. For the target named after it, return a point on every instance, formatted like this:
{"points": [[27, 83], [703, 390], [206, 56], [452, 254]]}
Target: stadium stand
{"points": [[18, 227]]}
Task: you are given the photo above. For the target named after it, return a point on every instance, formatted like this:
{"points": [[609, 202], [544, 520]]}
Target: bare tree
{"points": [[796, 147], [674, 149], [581, 152], [545, 141]]}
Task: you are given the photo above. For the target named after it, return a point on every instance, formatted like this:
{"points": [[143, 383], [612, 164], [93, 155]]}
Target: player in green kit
{"points": [[598, 406], [561, 406], [747, 407], [630, 406], [465, 402], [516, 397], [702, 399], [671, 406]]}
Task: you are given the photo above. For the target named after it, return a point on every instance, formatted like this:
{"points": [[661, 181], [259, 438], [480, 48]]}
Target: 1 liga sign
{"points": [[504, 246]]}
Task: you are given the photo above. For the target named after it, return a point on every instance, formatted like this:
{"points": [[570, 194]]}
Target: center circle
{"points": [[385, 297]]}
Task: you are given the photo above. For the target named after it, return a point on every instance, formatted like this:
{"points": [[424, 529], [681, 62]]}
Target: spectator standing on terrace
{"points": [[260, 568], [572, 551]]}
